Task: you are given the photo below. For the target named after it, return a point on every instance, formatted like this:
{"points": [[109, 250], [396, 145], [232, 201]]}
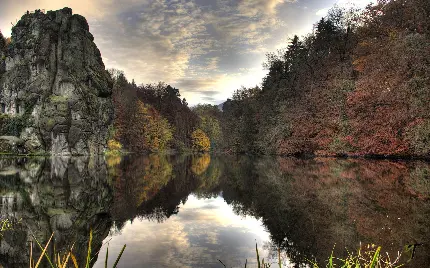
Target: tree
{"points": [[2, 41], [357, 85], [166, 100], [157, 130], [201, 142], [210, 116]]}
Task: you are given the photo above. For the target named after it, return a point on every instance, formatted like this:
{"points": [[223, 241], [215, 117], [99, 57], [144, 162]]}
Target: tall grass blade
{"points": [[375, 258], [58, 259], [258, 256], [68, 256], [107, 256], [87, 265], [31, 254], [46, 255], [279, 257], [246, 262], [75, 263], [119, 256], [43, 252], [97, 254], [330, 261]]}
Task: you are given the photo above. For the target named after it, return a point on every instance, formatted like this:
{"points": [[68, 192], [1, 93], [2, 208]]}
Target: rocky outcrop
{"points": [[54, 89]]}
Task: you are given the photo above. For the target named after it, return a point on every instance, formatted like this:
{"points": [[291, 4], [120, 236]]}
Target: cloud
{"points": [[203, 84], [163, 39], [322, 12], [201, 233], [209, 99], [212, 63], [195, 45], [255, 7], [11, 10], [184, 43], [343, 3]]}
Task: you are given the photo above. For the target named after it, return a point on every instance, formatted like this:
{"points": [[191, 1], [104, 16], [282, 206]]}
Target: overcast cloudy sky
{"points": [[206, 48]]}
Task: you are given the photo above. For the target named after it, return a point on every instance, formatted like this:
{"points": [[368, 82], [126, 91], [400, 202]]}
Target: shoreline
{"points": [[218, 153]]}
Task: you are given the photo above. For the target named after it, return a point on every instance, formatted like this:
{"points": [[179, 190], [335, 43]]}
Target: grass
{"points": [[368, 257], [6, 225], [262, 264], [63, 260]]}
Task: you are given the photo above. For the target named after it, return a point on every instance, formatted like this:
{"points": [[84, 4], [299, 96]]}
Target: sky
{"points": [[206, 48], [203, 231]]}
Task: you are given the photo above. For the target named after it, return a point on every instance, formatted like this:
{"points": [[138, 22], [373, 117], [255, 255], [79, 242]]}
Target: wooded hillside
{"points": [[358, 85]]}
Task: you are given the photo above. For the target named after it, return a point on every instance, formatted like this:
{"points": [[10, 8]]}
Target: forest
{"points": [[358, 85], [153, 118]]}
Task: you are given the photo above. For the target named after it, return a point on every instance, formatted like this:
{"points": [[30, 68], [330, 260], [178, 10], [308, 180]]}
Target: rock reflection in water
{"points": [[64, 196], [307, 206]]}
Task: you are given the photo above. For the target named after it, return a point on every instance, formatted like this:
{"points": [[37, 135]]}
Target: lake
{"points": [[198, 210]]}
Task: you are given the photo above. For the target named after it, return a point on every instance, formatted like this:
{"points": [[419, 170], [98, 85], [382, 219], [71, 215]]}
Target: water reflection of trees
{"points": [[310, 205], [153, 187], [306, 205]]}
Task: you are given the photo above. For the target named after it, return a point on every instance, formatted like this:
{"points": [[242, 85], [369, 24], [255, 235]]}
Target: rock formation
{"points": [[55, 94]]}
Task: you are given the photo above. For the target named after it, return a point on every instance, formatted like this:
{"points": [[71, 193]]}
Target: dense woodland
{"points": [[153, 117], [358, 85]]}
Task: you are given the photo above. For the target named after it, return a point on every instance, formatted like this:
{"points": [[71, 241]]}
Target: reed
{"points": [[62, 260], [368, 257]]}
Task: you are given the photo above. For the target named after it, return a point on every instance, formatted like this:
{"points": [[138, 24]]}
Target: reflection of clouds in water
{"points": [[203, 232]]}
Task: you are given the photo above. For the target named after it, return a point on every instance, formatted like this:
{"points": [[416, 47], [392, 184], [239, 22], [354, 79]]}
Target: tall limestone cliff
{"points": [[55, 94]]}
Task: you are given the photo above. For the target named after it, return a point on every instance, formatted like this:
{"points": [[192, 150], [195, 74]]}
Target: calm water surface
{"points": [[192, 211]]}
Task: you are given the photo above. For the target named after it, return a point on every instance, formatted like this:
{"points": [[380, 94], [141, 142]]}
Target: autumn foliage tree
{"points": [[138, 126], [210, 123], [167, 101], [155, 132], [357, 85], [201, 142]]}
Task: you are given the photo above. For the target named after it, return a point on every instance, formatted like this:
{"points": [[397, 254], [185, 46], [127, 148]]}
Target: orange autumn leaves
{"points": [[201, 142], [157, 132], [144, 129], [152, 118], [153, 133]]}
